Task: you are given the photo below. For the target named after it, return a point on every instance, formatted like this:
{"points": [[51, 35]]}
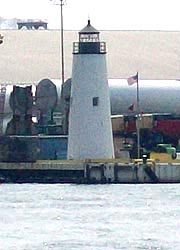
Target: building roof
{"points": [[89, 29], [27, 56]]}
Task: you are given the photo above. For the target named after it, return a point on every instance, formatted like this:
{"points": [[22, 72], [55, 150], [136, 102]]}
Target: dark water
{"points": [[84, 217]]}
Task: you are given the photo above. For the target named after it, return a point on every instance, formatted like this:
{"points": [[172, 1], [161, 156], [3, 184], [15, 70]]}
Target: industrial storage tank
{"points": [[46, 95], [47, 106]]}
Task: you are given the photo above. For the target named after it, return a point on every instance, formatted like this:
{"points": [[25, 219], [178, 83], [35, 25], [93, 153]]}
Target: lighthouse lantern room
{"points": [[89, 42]]}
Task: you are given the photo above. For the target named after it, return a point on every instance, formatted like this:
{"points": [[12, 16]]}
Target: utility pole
{"points": [[61, 3], [131, 80], [62, 41]]}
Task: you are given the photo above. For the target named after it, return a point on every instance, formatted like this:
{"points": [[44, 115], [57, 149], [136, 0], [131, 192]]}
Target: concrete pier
{"points": [[89, 172]]}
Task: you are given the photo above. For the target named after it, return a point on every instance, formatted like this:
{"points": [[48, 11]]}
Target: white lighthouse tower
{"points": [[90, 129]]}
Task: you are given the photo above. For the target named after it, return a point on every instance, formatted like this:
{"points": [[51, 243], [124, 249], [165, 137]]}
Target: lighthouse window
{"points": [[95, 101]]}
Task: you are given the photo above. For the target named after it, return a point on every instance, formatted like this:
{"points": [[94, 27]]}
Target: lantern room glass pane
{"points": [[89, 37]]}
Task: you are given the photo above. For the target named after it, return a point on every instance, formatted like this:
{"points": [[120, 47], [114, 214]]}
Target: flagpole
{"points": [[131, 80], [138, 118]]}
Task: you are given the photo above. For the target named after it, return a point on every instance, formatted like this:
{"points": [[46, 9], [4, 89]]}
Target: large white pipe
{"points": [[156, 96]]}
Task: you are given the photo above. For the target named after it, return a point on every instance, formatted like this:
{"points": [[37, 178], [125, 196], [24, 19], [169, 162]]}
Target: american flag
{"points": [[133, 79]]}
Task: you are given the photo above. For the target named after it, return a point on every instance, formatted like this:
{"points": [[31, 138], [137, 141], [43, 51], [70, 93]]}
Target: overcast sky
{"points": [[104, 15]]}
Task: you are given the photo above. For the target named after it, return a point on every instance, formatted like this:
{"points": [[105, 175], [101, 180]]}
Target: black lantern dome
{"points": [[89, 34]]}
